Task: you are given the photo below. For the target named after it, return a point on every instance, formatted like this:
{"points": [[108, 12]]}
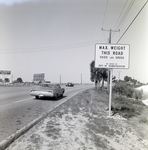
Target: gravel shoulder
{"points": [[82, 123]]}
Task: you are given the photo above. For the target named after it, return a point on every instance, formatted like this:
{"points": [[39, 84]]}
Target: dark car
{"points": [[69, 84]]}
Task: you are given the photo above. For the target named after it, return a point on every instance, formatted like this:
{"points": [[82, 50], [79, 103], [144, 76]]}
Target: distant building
{"points": [[5, 76], [38, 78]]}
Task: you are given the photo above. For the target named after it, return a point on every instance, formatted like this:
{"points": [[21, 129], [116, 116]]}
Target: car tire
{"points": [[55, 97], [62, 94], [37, 97]]}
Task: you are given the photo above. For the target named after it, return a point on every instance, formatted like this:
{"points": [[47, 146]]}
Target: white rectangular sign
{"points": [[112, 56]]}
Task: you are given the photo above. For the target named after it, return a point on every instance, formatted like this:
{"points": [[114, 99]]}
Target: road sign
{"points": [[112, 56], [5, 72]]}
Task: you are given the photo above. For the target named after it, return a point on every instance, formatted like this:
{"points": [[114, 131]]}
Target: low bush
{"points": [[126, 107], [138, 94], [122, 88], [143, 119]]}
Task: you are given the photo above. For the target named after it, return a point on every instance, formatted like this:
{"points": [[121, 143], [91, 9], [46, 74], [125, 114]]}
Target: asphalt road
{"points": [[18, 108]]}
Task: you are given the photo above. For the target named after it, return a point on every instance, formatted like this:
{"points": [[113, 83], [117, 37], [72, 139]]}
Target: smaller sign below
{"points": [[112, 56]]}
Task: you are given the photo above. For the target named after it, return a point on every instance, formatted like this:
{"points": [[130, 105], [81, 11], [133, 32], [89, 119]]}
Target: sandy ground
{"points": [[82, 123], [144, 88]]}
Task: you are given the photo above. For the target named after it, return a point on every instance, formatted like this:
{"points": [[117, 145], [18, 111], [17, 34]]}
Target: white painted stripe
{"points": [[22, 100]]}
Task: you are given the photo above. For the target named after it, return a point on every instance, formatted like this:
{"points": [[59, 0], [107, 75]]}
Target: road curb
{"points": [[5, 143]]}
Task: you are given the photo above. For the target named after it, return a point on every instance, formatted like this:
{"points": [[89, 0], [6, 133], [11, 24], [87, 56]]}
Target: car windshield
{"points": [[47, 85]]}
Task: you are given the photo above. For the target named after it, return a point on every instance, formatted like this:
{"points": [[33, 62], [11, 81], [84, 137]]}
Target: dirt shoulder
{"points": [[82, 123]]}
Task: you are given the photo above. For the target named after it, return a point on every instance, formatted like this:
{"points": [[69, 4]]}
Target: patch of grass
{"points": [[35, 139], [127, 107], [143, 119]]}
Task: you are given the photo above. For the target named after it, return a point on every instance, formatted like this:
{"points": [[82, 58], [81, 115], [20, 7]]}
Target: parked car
{"points": [[69, 84], [47, 90]]}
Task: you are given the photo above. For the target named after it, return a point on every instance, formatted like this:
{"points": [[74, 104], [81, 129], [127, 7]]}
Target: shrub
{"points": [[122, 88], [138, 94], [143, 119], [127, 107]]}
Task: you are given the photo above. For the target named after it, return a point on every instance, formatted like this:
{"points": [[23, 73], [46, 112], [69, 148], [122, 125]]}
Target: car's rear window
{"points": [[47, 85]]}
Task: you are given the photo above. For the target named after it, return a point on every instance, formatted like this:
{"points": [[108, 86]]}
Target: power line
{"points": [[105, 13], [50, 48], [132, 21], [120, 14], [124, 15], [126, 12]]}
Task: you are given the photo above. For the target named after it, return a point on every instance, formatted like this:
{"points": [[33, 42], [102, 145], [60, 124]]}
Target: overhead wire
{"points": [[106, 6], [105, 13], [132, 21], [120, 15], [75, 45], [49, 48], [125, 14]]}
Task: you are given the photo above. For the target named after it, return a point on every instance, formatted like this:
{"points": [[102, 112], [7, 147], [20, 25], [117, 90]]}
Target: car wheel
{"points": [[56, 97], [37, 97], [62, 94]]}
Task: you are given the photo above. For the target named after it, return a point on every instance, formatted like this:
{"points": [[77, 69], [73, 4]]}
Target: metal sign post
{"points": [[110, 92], [111, 56]]}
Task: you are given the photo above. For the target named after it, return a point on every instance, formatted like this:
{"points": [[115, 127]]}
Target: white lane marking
{"points": [[22, 100], [11, 103]]}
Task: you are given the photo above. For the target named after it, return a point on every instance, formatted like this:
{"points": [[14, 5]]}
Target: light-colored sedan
{"points": [[47, 90]]}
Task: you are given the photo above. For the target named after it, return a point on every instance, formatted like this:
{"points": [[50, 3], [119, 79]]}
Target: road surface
{"points": [[18, 108]]}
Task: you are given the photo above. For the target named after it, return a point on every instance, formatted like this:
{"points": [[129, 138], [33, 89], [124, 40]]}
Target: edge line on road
{"points": [[22, 100]]}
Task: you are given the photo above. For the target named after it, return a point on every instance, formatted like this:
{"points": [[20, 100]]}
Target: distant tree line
{"points": [[133, 81]]}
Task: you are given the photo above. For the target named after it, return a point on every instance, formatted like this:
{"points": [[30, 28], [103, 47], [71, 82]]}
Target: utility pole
{"points": [[81, 78], [110, 34], [60, 79], [110, 72], [119, 75]]}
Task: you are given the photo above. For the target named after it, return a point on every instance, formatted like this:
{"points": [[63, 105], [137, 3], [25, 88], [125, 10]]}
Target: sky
{"points": [[58, 37]]}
